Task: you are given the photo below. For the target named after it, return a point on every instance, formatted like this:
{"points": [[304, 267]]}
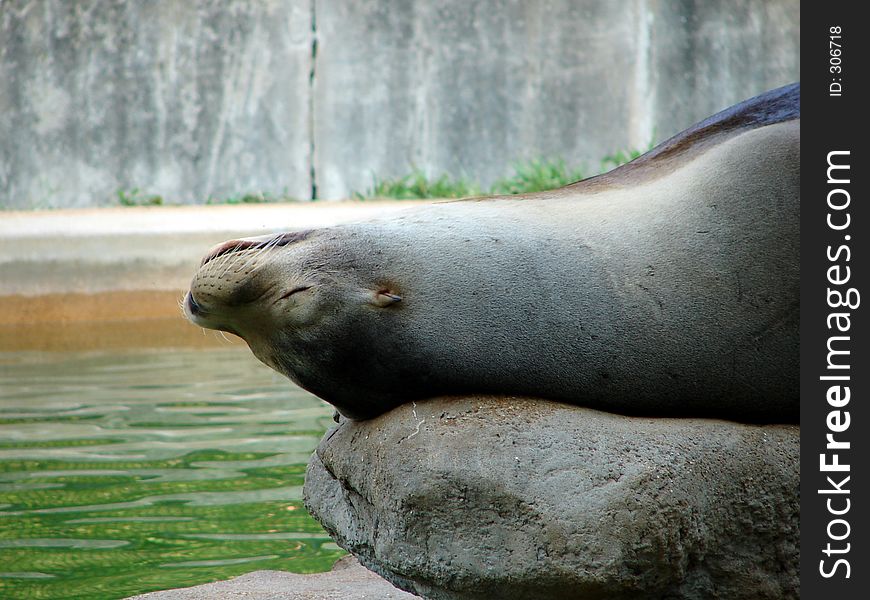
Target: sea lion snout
{"points": [[253, 287], [261, 242], [235, 246]]}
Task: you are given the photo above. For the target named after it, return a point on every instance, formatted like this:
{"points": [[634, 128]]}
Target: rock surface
{"points": [[348, 580], [511, 498]]}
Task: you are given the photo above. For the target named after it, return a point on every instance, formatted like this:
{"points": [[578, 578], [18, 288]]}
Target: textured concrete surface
{"points": [[470, 87], [347, 581], [480, 498], [197, 99], [183, 99]]}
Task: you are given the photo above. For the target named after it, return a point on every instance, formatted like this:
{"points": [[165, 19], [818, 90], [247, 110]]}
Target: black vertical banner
{"points": [[835, 299]]}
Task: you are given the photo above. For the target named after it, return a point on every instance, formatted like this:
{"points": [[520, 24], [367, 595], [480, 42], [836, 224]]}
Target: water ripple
{"points": [[114, 465]]}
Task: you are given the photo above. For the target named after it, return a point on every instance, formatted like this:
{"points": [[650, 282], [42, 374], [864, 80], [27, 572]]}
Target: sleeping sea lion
{"points": [[666, 287]]}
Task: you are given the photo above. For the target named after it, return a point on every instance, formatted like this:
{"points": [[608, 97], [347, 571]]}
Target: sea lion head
{"points": [[292, 297]]}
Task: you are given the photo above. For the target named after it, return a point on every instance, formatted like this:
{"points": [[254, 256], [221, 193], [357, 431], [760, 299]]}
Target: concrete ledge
{"points": [[107, 320], [88, 279], [143, 248], [348, 580]]}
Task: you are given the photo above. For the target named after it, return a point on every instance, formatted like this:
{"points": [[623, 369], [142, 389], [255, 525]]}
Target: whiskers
{"points": [[181, 305], [220, 333], [223, 262], [230, 262]]}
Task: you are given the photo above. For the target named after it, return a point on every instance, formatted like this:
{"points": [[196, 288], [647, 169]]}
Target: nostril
{"points": [[195, 308]]}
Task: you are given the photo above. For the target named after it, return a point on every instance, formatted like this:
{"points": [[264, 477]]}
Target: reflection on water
{"points": [[129, 472]]}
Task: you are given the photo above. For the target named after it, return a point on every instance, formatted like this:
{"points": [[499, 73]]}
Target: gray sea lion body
{"points": [[669, 286]]}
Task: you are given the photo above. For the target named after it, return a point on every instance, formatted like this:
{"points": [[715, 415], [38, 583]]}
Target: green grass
{"points": [[418, 185], [252, 198], [136, 197], [620, 157], [535, 175]]}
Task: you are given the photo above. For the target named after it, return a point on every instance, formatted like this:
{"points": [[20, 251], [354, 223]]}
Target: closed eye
{"points": [[301, 288]]}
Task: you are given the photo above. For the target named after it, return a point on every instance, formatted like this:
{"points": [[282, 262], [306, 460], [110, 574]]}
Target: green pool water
{"points": [[136, 471]]}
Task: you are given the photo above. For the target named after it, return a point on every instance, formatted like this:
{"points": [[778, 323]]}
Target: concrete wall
{"points": [[182, 99], [199, 99]]}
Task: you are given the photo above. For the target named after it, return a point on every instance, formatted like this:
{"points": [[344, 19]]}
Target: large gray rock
{"points": [[512, 498]]}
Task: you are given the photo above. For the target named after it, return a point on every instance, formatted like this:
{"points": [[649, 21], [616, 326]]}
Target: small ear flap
{"points": [[384, 298]]}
